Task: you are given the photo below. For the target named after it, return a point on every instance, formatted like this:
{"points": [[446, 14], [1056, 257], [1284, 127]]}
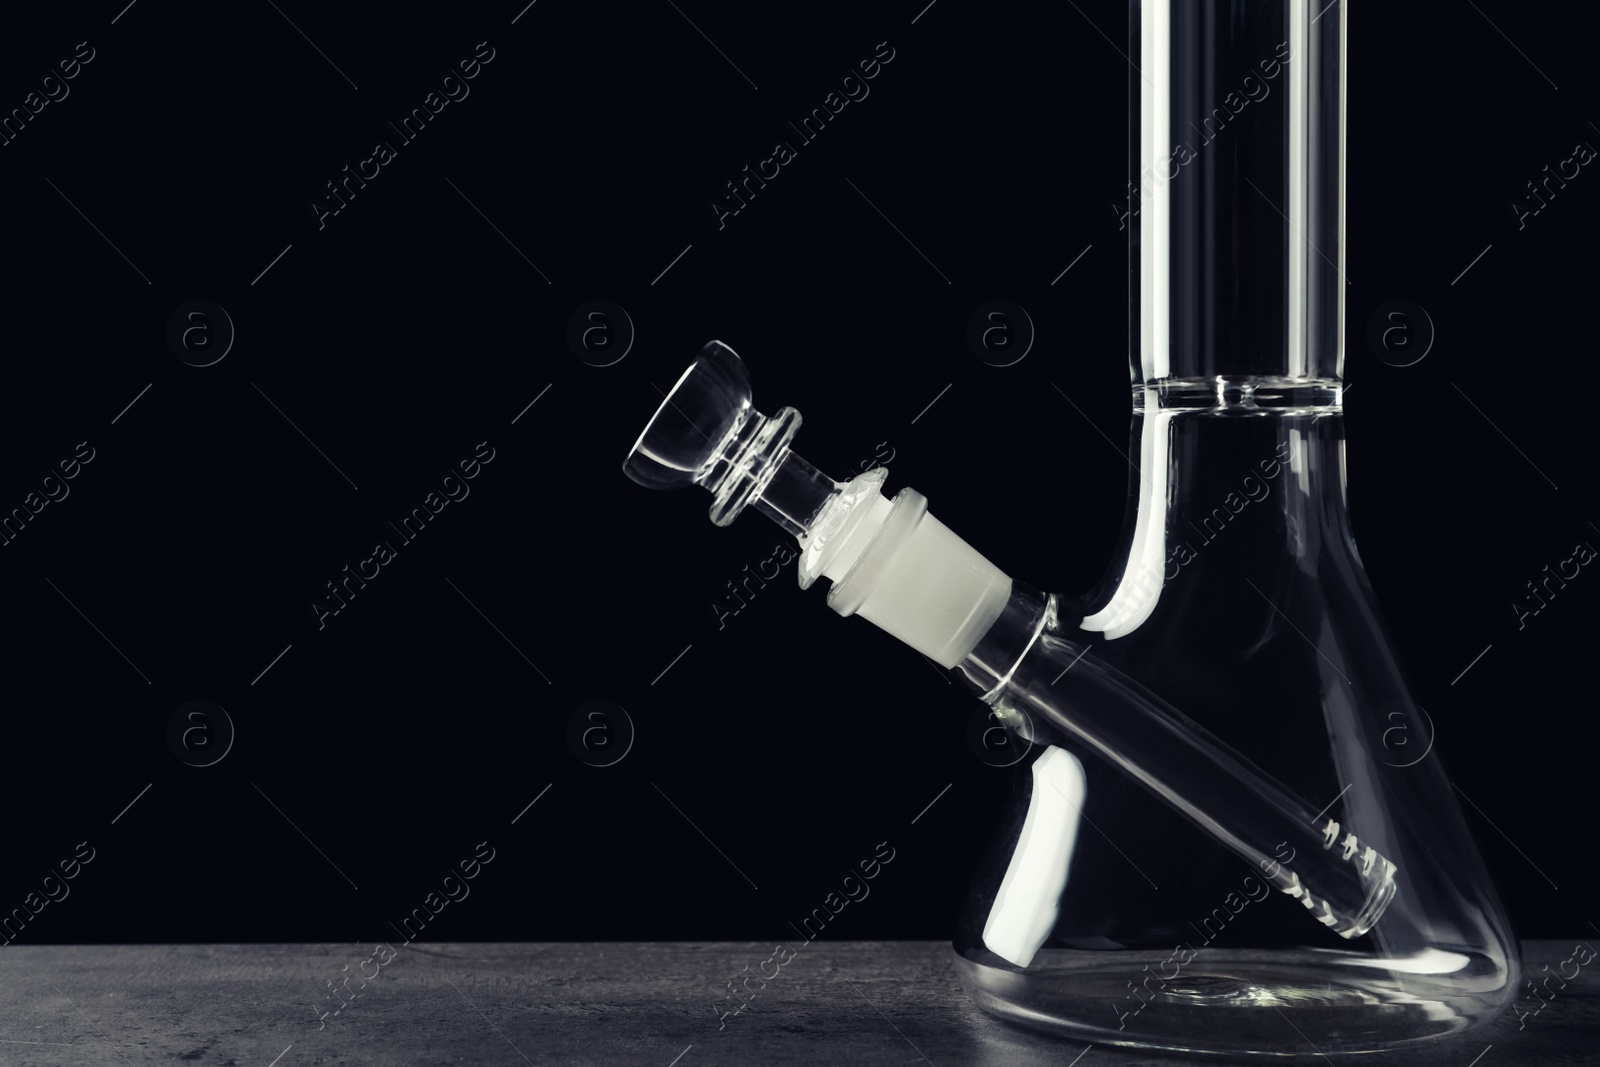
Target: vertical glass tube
{"points": [[1236, 235]]}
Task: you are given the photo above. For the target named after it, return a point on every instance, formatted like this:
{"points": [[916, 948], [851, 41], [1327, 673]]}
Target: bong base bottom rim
{"points": [[1232, 1002]]}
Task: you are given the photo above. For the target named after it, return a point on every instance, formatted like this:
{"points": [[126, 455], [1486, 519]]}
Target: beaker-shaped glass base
{"points": [[1130, 897]]}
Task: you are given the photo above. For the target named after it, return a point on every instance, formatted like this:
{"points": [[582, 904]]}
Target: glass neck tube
{"points": [[1235, 210], [795, 494]]}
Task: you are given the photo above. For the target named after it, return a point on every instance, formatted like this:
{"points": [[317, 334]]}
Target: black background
{"points": [[407, 330]]}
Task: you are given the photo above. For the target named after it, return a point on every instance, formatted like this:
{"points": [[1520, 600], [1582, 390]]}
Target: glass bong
{"points": [[1224, 703]]}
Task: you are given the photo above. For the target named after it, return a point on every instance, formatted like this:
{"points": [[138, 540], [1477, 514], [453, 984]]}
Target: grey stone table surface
{"points": [[646, 1004]]}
